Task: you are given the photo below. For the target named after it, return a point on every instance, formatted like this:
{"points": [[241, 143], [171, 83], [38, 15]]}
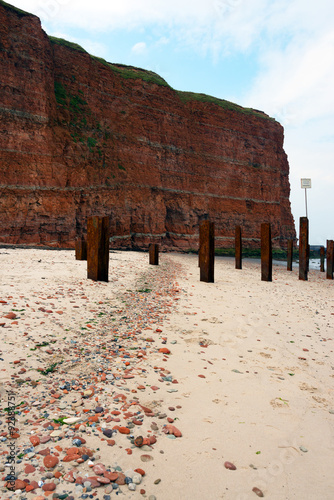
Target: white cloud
{"points": [[139, 48]]}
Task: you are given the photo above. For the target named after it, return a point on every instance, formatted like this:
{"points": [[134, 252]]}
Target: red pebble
{"points": [[230, 466], [50, 461], [258, 491], [34, 440], [29, 469], [140, 471], [122, 430], [10, 315], [164, 350], [49, 487]]}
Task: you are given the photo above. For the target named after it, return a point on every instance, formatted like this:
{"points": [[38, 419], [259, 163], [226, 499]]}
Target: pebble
{"points": [[258, 492], [50, 461], [137, 478], [72, 420], [45, 439], [303, 449], [49, 487], [35, 441], [99, 469], [57, 433], [108, 432], [230, 466]]}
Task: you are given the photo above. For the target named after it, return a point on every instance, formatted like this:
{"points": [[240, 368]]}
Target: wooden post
{"points": [[238, 248], [303, 248], [322, 259], [207, 252], [290, 255], [81, 249], [330, 259], [266, 253], [98, 248], [154, 254], [200, 245]]}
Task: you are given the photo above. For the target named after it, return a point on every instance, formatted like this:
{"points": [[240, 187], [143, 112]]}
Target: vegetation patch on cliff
{"points": [[66, 43], [17, 11], [132, 72], [192, 96]]}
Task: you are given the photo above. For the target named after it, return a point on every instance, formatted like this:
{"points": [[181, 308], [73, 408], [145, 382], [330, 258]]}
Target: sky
{"points": [[273, 55]]}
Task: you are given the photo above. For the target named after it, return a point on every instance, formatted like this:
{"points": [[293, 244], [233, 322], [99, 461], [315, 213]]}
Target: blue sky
{"points": [[272, 55]]}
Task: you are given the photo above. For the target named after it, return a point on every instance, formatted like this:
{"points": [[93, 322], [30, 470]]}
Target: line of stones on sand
{"points": [[143, 315]]}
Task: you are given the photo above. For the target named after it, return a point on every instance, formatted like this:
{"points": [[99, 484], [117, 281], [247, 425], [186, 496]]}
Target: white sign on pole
{"points": [[306, 183]]}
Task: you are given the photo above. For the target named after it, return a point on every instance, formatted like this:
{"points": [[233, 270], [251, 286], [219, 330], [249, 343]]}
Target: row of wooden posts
{"points": [[96, 250]]}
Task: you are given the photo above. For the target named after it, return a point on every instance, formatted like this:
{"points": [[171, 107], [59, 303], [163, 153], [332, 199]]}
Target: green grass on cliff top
{"points": [[191, 96], [66, 43], [19, 12], [131, 72]]}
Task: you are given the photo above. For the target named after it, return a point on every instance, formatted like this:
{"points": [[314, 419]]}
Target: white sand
{"points": [[257, 419]]}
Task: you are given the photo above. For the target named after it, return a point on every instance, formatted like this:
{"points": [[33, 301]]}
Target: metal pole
{"points": [[306, 202]]}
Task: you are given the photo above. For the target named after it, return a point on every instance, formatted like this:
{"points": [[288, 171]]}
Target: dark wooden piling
{"points": [[207, 251], [266, 253], [153, 254], [303, 249], [98, 248], [200, 243], [330, 259], [322, 259], [290, 255], [238, 247], [81, 249]]}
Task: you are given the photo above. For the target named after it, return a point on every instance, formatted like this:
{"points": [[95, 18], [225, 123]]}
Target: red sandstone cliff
{"points": [[80, 137]]}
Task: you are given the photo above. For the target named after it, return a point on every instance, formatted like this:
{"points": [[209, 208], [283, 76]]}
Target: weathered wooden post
{"points": [[330, 259], [200, 243], [153, 250], [290, 255], [322, 259], [266, 253], [207, 252], [98, 248], [81, 248], [303, 248], [238, 248]]}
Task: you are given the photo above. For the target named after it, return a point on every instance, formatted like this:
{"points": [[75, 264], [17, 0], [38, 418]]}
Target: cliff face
{"points": [[79, 137]]}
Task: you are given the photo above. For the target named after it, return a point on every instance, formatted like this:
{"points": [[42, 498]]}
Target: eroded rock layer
{"points": [[82, 137]]}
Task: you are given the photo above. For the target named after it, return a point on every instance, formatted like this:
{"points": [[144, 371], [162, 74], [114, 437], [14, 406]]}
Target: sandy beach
{"points": [[155, 385]]}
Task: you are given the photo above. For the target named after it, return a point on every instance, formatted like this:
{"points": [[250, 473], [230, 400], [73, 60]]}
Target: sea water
{"points": [[314, 264]]}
